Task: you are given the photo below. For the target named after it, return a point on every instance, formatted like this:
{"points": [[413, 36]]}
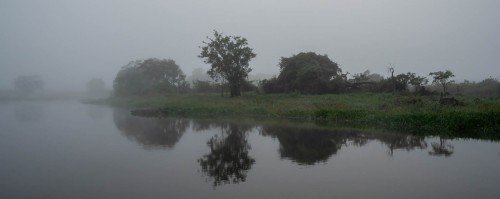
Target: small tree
{"points": [[441, 77], [417, 81], [229, 57]]}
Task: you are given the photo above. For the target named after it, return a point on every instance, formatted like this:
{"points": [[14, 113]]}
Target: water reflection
{"points": [[228, 160], [152, 133], [441, 148], [402, 142], [95, 112], [29, 113], [309, 146]]}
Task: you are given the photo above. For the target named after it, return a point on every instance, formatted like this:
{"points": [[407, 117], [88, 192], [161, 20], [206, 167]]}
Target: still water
{"points": [[70, 150]]}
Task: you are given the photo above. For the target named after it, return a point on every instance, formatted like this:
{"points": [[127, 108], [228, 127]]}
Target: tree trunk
{"points": [[235, 90]]}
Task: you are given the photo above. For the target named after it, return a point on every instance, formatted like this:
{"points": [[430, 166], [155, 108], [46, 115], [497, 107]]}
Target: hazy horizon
{"points": [[68, 43]]}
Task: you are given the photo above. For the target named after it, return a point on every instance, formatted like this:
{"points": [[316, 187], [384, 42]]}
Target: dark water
{"points": [[73, 150]]}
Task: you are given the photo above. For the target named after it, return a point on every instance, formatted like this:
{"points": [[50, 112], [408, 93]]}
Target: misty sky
{"points": [[68, 42]]}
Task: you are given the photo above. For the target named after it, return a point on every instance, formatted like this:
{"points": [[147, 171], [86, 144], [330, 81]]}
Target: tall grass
{"points": [[479, 118]]}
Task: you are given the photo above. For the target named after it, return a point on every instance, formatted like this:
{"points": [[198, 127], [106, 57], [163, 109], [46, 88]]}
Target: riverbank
{"points": [[476, 118]]}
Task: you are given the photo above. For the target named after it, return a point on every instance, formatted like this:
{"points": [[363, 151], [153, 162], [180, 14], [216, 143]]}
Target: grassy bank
{"points": [[477, 118]]}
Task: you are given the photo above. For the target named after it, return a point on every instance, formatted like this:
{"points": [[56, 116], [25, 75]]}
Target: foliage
{"points": [[441, 77], [308, 73], [423, 115], [205, 86], [489, 87], [229, 57], [271, 85], [417, 81], [150, 76], [28, 84]]}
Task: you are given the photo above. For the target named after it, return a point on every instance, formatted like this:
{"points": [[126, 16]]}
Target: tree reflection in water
{"points": [[442, 148], [405, 142], [152, 133], [309, 146], [228, 160], [306, 146]]}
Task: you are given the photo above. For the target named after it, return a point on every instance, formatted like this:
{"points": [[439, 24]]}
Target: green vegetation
{"points": [[228, 57], [149, 76], [477, 118], [399, 103]]}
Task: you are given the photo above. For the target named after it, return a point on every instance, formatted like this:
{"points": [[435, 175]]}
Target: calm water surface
{"points": [[73, 150]]}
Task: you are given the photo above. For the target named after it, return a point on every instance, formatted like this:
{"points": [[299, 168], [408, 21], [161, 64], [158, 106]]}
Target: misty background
{"points": [[67, 43]]}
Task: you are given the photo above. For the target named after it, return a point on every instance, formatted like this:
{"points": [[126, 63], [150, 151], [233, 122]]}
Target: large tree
{"points": [[150, 76], [307, 72], [229, 57], [441, 77]]}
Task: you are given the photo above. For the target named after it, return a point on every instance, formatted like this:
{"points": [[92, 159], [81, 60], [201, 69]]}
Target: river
{"points": [[66, 149]]}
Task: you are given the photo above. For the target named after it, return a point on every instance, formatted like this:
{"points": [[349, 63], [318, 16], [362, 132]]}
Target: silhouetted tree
{"points": [[150, 76], [229, 57], [307, 72], [417, 81], [442, 78], [401, 82]]}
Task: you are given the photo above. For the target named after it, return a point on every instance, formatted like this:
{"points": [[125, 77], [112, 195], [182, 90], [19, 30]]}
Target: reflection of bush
{"points": [[309, 145], [150, 132], [442, 148], [406, 142], [228, 160], [306, 146]]}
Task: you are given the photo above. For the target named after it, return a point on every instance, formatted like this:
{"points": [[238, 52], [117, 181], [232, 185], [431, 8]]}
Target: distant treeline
{"points": [[305, 73]]}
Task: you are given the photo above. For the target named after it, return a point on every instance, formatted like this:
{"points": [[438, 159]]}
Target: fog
{"points": [[67, 43]]}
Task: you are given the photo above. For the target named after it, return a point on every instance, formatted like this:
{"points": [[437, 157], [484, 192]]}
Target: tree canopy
{"points": [[229, 57], [307, 72], [441, 77], [149, 76]]}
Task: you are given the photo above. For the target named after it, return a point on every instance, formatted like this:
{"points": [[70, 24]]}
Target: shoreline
{"points": [[419, 115]]}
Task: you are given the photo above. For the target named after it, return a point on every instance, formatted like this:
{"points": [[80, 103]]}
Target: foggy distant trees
{"points": [[488, 87], [229, 57], [96, 87], [417, 81], [28, 84], [441, 77], [150, 76], [306, 72]]}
